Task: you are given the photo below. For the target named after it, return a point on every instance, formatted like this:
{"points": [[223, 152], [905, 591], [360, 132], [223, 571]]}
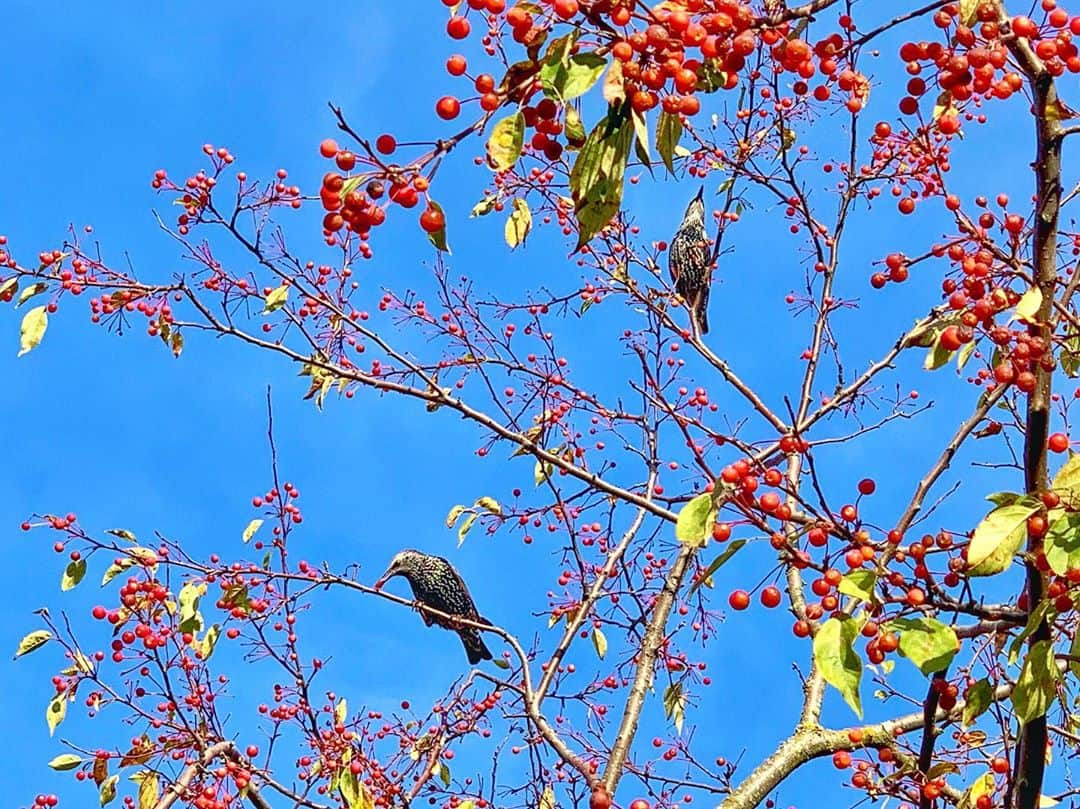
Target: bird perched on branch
{"points": [[690, 262], [436, 584]]}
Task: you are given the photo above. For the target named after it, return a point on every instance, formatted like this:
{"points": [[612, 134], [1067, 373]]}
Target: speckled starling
{"points": [[690, 263], [436, 584]]}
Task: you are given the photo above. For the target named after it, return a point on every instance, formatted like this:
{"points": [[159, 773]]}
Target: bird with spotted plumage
{"points": [[690, 263], [436, 584]]}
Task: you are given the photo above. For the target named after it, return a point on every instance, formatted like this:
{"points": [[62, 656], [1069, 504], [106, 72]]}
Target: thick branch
{"points": [[646, 663]]}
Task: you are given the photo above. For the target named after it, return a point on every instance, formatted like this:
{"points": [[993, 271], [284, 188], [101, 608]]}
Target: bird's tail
{"points": [[474, 644], [701, 313]]}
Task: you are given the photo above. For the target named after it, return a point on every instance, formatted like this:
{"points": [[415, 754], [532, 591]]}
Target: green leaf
{"points": [[859, 584], [668, 132], [542, 471], [997, 538], [108, 790], [596, 180], [466, 526], [341, 711], [34, 324], [706, 577], [675, 705], [837, 660], [123, 533], [73, 574], [149, 789], [547, 798], [1030, 303], [1074, 653], [565, 76], [31, 291], [56, 712], [438, 237], [518, 224], [1035, 618], [484, 206], [206, 646], [1062, 543], [938, 355], [353, 791], [978, 699], [276, 299], [695, 521], [926, 642], [1067, 481], [1005, 498], [984, 785], [1037, 685], [641, 134], [444, 773], [116, 568], [250, 531], [65, 761], [505, 142], [502, 664], [599, 642], [190, 619], [1069, 356], [964, 354], [35, 640], [573, 127], [968, 11]]}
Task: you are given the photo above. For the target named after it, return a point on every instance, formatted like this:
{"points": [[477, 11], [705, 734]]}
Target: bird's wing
{"points": [[472, 613]]}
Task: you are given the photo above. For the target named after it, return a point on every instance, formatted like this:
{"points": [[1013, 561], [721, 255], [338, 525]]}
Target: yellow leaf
{"points": [[600, 642], [613, 90], [504, 144], [56, 712], [33, 327], [252, 527], [1030, 303], [518, 224], [35, 640], [276, 299]]}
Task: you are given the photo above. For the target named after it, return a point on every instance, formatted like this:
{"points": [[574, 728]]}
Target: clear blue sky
{"points": [[97, 96]]}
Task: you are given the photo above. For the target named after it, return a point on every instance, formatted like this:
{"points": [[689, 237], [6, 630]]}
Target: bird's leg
{"points": [[418, 605]]}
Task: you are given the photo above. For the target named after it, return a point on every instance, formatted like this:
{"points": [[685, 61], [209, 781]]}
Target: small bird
{"points": [[436, 584], [690, 263]]}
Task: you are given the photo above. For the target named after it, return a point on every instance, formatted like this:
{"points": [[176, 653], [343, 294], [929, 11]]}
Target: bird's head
{"points": [[695, 211], [403, 563]]}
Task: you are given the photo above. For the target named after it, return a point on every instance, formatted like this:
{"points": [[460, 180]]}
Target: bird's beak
{"points": [[389, 574], [700, 193]]}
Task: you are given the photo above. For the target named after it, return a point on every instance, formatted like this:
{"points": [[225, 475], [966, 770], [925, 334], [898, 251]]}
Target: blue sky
{"points": [[98, 97]]}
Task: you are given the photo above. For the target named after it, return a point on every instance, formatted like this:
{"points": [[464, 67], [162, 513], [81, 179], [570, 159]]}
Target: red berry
{"points": [[447, 108], [770, 596], [432, 220], [1059, 442], [328, 148], [867, 486], [385, 144], [458, 27], [99, 612], [600, 799], [739, 600]]}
